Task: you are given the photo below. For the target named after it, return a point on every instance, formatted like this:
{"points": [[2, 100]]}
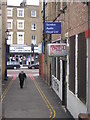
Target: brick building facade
{"points": [[23, 23], [70, 73]]}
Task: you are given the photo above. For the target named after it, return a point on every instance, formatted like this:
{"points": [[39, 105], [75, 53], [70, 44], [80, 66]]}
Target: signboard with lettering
{"points": [[22, 49], [52, 27], [57, 49]]}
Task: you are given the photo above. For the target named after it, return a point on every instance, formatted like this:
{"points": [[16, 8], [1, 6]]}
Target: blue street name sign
{"points": [[52, 27]]}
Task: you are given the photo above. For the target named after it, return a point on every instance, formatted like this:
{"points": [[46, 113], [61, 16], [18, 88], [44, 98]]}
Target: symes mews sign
{"points": [[52, 27]]}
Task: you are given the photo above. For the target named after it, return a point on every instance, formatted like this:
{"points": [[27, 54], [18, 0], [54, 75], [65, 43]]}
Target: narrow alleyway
{"points": [[35, 100]]}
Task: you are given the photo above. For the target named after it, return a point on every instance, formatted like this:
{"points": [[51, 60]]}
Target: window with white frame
{"points": [[9, 24], [33, 13], [20, 12], [20, 24], [34, 39], [10, 38], [33, 26], [9, 12], [20, 37]]}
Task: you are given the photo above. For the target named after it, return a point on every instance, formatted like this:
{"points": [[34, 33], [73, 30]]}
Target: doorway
{"points": [[64, 83]]}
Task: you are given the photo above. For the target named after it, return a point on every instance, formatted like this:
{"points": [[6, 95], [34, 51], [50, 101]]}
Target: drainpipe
{"points": [[43, 25], [44, 67]]}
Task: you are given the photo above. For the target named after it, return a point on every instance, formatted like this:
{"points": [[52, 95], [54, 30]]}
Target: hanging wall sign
{"points": [[52, 27], [57, 50]]}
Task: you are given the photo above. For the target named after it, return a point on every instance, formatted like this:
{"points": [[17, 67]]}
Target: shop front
{"points": [[58, 52], [22, 54]]}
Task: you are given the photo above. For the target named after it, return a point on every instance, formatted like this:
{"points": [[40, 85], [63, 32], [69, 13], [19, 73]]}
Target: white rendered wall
{"points": [[74, 105], [56, 84]]}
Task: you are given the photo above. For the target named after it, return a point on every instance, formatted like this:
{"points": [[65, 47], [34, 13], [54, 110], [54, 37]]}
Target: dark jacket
{"points": [[22, 76]]}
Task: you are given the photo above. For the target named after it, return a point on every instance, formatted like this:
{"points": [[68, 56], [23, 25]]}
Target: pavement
{"points": [[35, 100]]}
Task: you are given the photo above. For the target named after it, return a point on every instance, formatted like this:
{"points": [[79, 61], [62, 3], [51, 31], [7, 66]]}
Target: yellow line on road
{"points": [[6, 90], [51, 109], [44, 100]]}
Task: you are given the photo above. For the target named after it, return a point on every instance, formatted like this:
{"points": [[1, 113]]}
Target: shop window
{"points": [[82, 67], [72, 65]]}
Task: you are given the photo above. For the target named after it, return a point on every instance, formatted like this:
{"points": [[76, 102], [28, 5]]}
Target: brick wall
{"points": [[75, 19]]}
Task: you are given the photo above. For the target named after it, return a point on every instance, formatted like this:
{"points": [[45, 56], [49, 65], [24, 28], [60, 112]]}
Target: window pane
{"points": [[9, 25], [20, 38], [82, 67], [33, 26], [72, 64], [9, 12], [20, 12], [34, 39], [33, 13], [20, 24]]}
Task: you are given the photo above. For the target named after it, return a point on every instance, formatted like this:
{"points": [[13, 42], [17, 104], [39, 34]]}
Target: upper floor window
{"points": [[9, 12], [34, 39], [20, 24], [20, 37], [20, 12], [33, 13], [10, 24], [33, 26], [10, 38]]}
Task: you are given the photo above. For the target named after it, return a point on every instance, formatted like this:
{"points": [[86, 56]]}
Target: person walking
{"points": [[22, 77]]}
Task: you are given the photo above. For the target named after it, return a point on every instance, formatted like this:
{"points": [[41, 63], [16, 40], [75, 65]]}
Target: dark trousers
{"points": [[21, 83]]}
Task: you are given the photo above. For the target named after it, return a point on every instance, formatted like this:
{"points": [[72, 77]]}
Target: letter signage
{"points": [[52, 27]]}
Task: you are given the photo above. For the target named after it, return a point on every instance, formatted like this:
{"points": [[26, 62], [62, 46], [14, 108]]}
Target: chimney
{"points": [[23, 3]]}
